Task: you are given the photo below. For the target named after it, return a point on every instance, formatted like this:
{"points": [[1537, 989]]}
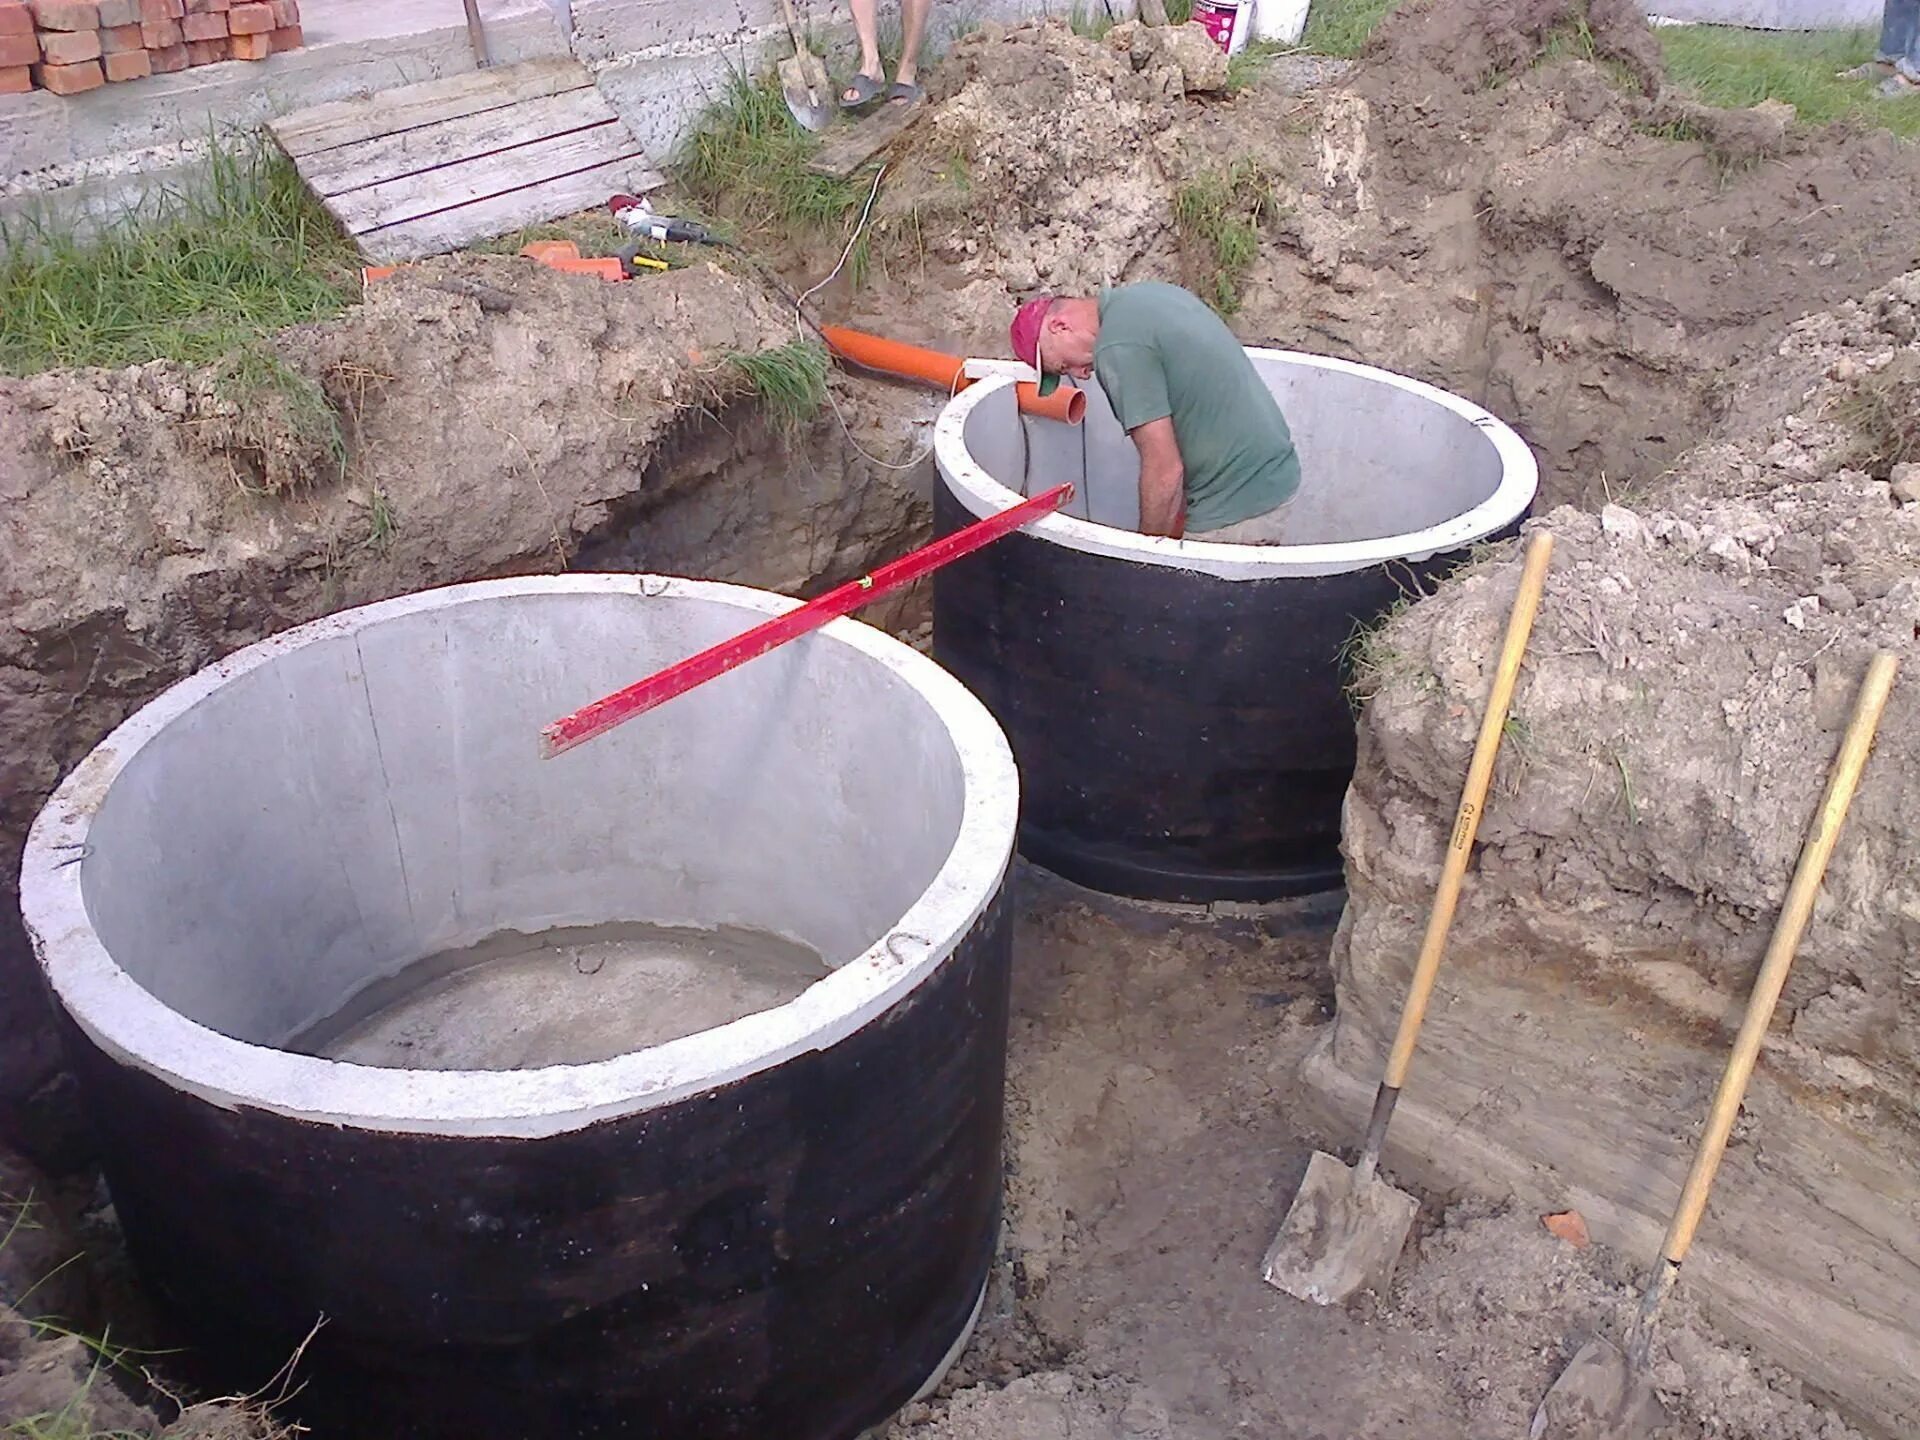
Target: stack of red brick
{"points": [[68, 46]]}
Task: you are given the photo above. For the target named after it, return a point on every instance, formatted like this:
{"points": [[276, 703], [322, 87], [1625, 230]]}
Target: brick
{"points": [[285, 13], [15, 18], [161, 34], [15, 80], [208, 7], [70, 79], [204, 27], [65, 14], [128, 65], [166, 59], [251, 19], [18, 50], [122, 37], [117, 12], [206, 52], [286, 38], [251, 47], [152, 12], [69, 47]]}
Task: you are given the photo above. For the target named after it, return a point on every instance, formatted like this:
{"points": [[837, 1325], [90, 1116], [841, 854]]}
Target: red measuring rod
{"points": [[643, 695]]}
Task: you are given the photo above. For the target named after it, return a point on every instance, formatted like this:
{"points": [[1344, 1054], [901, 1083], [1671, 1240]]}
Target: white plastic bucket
{"points": [[1229, 22], [1281, 21]]}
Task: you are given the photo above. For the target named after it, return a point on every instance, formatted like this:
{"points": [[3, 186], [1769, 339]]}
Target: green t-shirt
{"points": [[1162, 352]]}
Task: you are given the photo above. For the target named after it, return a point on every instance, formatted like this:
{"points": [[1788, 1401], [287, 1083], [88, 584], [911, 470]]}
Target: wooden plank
{"points": [[342, 122], [374, 162], [854, 146], [483, 177], [560, 195]]}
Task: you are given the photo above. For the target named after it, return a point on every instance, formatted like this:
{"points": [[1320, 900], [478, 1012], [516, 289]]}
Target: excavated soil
{"points": [[1697, 656], [1498, 198], [1157, 1133]]}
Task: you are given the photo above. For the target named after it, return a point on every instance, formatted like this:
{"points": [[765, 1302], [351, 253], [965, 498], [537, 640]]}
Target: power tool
{"points": [[634, 214]]}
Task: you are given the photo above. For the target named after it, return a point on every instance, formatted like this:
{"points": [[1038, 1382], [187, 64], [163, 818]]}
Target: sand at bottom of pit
{"points": [[566, 996]]}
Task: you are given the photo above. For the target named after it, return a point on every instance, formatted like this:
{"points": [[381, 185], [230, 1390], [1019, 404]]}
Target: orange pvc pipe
{"points": [[949, 372]]}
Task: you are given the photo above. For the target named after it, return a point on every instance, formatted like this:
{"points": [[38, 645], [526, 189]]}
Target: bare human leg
{"points": [[866, 24], [913, 24]]}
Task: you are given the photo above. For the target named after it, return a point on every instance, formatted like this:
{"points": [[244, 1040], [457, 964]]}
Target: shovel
{"points": [[1604, 1393], [1346, 1228], [804, 81]]}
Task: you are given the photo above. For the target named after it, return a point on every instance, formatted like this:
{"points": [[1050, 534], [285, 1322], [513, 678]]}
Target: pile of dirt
{"points": [[1500, 198], [473, 417], [1696, 658], [1156, 1134]]}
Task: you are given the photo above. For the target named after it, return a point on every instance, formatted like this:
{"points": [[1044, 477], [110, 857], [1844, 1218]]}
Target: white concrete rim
{"points": [[1519, 479], [131, 1025]]}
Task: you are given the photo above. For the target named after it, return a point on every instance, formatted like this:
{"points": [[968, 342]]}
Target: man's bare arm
{"points": [[1163, 492]]}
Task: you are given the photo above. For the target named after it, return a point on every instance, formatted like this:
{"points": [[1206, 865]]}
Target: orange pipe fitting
{"points": [[949, 372]]}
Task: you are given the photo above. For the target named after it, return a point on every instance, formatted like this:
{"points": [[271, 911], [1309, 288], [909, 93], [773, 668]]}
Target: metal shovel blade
{"points": [[1339, 1238], [808, 91], [1599, 1396]]}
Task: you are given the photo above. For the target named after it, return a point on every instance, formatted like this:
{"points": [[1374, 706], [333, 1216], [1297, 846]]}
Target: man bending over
{"points": [[1216, 458]]}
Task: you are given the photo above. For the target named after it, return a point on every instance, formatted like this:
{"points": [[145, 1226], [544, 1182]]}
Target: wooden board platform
{"points": [[430, 167], [848, 147]]}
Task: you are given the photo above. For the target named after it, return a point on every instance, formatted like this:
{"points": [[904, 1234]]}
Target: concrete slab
{"points": [[1772, 14]]}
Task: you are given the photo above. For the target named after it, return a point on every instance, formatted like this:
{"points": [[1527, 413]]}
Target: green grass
{"points": [[1735, 68], [1220, 215], [1882, 409], [270, 394], [1342, 27], [194, 275], [747, 161], [791, 380], [1089, 19]]}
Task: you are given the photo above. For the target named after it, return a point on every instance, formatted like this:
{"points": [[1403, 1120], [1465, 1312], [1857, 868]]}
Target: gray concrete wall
{"points": [[1771, 14]]}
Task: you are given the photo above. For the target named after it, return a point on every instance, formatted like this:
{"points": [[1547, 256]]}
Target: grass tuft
{"points": [[1343, 27], [747, 159], [791, 380], [275, 403], [1738, 68], [1090, 19], [1882, 409], [194, 274], [596, 232], [1220, 214]]}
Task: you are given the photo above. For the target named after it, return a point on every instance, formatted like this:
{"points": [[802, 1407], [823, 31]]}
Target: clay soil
{"points": [[1157, 1135], [1499, 197]]}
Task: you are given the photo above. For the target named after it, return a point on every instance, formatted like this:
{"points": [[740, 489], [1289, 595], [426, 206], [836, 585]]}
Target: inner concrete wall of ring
{"points": [[93, 156]]}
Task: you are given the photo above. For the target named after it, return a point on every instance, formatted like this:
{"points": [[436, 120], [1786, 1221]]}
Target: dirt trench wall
{"points": [[1695, 660], [497, 418], [1499, 198]]}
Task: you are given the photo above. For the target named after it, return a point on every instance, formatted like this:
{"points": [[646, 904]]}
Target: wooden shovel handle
{"points": [[793, 25], [1466, 820], [1794, 914]]}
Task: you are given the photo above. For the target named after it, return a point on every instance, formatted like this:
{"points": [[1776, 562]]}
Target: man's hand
{"points": [[1163, 479]]}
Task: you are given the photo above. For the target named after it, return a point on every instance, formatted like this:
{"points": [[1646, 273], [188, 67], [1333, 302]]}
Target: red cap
{"points": [[1025, 334]]}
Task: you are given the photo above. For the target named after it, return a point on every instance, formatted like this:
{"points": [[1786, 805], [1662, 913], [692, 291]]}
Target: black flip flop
{"points": [[866, 90], [908, 92]]}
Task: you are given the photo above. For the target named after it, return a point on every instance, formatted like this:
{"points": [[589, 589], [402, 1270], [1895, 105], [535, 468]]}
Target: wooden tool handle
{"points": [[793, 25], [1466, 821], [1794, 914]]}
